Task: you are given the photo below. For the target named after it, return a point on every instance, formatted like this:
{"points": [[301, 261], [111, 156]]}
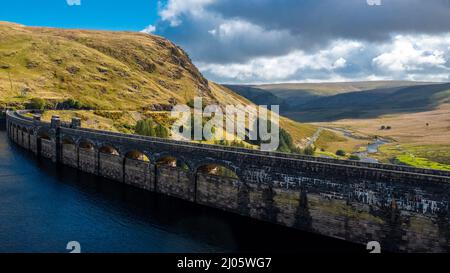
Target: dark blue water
{"points": [[44, 206]]}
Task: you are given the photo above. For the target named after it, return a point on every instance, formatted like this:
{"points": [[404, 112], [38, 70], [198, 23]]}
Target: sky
{"points": [[272, 41]]}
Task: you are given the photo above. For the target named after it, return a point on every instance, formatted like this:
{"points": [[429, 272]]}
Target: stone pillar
{"points": [[33, 135], [36, 119], [76, 123], [55, 126]]}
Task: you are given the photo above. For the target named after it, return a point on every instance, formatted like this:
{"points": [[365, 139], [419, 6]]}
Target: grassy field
{"points": [[419, 139], [421, 156]]}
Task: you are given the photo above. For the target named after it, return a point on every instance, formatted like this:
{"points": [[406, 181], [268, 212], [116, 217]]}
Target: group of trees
{"points": [[148, 127], [42, 104]]}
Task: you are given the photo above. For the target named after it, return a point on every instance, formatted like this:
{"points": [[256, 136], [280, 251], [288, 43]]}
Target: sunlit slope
{"points": [[107, 70], [120, 71]]}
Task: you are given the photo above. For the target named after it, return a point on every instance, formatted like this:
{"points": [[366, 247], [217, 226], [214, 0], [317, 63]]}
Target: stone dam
{"points": [[405, 209]]}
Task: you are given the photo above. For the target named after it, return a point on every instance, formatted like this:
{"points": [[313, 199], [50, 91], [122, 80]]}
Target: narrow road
{"points": [[314, 137]]}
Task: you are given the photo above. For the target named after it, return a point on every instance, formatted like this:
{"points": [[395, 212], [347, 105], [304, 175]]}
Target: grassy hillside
{"points": [[373, 103], [110, 79], [106, 70], [334, 101], [295, 94]]}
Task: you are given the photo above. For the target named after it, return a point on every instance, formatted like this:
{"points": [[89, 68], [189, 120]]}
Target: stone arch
{"points": [[69, 153], [108, 149], [110, 162], [67, 140], [44, 143], [43, 133], [87, 156], [136, 169], [137, 155], [172, 160], [218, 169], [218, 184], [85, 143]]}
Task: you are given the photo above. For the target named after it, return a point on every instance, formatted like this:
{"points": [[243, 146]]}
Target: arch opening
{"points": [[107, 149], [86, 144], [169, 161], [137, 155], [44, 135], [217, 170], [68, 141]]}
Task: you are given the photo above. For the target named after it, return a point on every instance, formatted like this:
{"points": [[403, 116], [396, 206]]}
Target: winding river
{"points": [[44, 206]]}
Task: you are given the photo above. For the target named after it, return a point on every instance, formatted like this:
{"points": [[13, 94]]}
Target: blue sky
{"points": [[270, 41], [90, 14]]}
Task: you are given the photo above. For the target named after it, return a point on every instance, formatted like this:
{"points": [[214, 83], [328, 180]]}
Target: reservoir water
{"points": [[43, 206]]}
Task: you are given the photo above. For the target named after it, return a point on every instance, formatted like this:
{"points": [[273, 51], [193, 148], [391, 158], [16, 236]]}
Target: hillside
{"points": [[110, 79], [334, 101], [106, 70]]}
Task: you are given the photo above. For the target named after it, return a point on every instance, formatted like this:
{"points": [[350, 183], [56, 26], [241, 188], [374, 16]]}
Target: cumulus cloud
{"points": [[290, 40], [73, 2], [149, 29]]}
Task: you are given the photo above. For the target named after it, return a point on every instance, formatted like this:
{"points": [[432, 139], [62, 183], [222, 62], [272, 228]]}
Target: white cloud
{"points": [[340, 63], [173, 10], [149, 29], [418, 58], [247, 41], [73, 2], [414, 53], [283, 68]]}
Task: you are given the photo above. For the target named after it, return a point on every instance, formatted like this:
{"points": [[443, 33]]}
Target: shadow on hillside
{"points": [[371, 103]]}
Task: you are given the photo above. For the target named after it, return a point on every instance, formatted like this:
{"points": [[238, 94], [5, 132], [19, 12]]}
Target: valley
{"points": [[412, 118]]}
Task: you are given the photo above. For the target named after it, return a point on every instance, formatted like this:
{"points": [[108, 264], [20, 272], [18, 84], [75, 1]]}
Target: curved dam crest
{"points": [[405, 209]]}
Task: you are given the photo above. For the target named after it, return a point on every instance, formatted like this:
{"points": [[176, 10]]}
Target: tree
{"points": [[148, 127], [354, 157], [37, 104], [340, 153], [309, 150]]}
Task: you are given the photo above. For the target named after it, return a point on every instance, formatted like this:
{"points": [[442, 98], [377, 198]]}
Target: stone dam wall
{"points": [[405, 209]]}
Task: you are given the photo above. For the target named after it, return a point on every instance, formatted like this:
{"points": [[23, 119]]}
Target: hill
{"points": [[313, 102], [100, 69], [110, 79]]}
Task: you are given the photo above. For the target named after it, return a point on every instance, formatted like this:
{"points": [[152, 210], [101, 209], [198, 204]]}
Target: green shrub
{"points": [[37, 104], [354, 157], [309, 150], [340, 153], [148, 127], [74, 104]]}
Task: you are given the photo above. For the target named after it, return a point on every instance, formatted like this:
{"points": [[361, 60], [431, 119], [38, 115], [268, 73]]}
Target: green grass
{"points": [[435, 157], [420, 162], [326, 154]]}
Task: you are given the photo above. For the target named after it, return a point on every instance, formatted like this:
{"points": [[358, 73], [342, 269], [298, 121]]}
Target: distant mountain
{"points": [[257, 96], [333, 101]]}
